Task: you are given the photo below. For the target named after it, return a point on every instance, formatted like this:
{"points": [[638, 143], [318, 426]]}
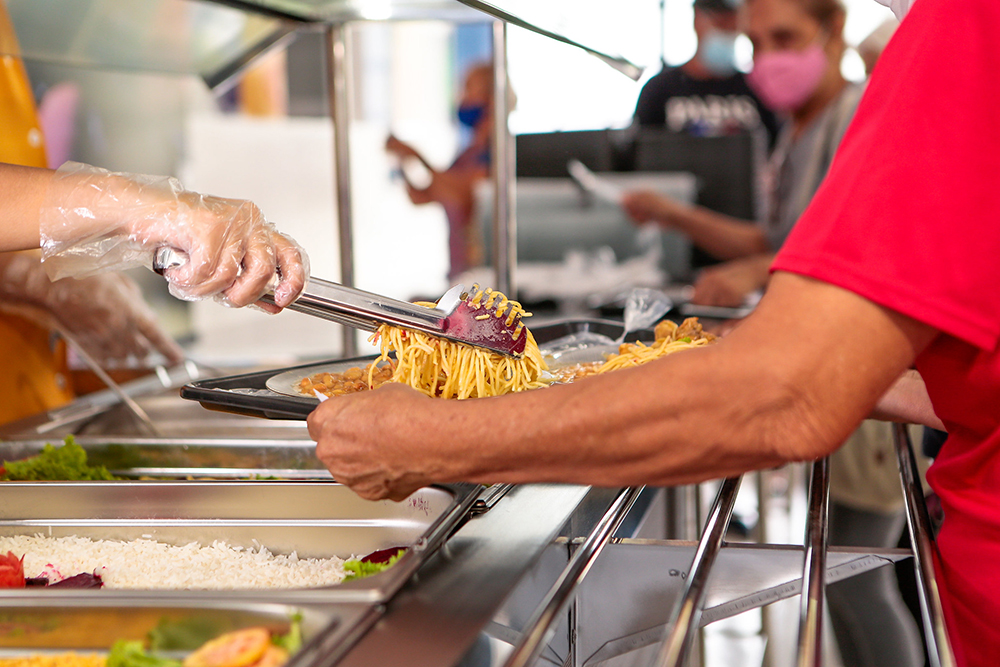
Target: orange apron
{"points": [[32, 366]]}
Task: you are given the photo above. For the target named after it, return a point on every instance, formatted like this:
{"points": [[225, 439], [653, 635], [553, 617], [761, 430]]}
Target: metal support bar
{"points": [[339, 92], [538, 631], [924, 548], [814, 568], [684, 621], [504, 174]]}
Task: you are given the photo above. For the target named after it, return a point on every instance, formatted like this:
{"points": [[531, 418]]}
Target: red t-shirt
{"points": [[909, 217]]}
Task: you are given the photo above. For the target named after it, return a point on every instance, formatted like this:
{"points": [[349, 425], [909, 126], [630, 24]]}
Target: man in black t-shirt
{"points": [[706, 96]]}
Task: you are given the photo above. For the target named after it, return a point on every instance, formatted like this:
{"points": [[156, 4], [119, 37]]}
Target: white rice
{"points": [[145, 564]]}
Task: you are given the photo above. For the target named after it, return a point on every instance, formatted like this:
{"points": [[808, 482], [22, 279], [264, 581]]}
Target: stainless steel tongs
{"points": [[482, 318]]}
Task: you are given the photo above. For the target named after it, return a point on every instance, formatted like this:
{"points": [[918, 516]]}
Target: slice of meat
{"points": [[241, 648]]}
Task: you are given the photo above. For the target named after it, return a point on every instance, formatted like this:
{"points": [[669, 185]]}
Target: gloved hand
{"points": [[95, 220], [106, 313]]}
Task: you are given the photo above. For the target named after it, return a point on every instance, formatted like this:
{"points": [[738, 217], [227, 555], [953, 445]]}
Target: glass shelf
{"points": [[168, 36]]}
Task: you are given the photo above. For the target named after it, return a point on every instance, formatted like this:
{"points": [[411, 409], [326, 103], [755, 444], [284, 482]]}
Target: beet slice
{"points": [[382, 555], [82, 580]]}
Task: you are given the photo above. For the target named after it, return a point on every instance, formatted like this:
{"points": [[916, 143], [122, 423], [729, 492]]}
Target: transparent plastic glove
{"points": [[95, 220], [106, 314]]}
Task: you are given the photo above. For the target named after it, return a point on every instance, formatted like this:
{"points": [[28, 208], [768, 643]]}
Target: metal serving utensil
{"points": [[459, 316], [476, 317]]}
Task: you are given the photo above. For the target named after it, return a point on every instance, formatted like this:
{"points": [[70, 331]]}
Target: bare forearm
{"points": [[720, 235], [22, 191], [784, 386], [907, 402], [775, 390], [599, 431]]}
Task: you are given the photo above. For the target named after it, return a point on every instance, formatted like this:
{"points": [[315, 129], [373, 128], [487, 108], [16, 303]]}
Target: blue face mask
{"points": [[470, 115], [718, 52]]}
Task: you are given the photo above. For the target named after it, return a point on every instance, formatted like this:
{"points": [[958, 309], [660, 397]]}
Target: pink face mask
{"points": [[784, 80]]}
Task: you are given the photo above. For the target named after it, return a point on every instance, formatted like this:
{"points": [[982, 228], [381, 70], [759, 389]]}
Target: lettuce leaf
{"points": [[359, 569], [126, 653], [68, 462]]}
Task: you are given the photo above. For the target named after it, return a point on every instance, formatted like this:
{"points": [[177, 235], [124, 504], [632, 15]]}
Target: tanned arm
{"points": [[907, 402], [22, 191], [789, 384]]}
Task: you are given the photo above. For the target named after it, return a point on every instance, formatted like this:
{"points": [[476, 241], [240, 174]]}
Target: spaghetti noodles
{"points": [[445, 369], [670, 338]]}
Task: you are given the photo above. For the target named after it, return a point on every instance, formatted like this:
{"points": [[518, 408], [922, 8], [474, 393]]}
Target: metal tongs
{"points": [[482, 318]]}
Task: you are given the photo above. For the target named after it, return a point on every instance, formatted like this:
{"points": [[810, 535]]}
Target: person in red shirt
{"points": [[894, 263]]}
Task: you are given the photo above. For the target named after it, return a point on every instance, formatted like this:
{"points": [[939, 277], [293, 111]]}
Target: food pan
{"points": [[180, 458], [312, 519], [249, 393], [71, 624]]}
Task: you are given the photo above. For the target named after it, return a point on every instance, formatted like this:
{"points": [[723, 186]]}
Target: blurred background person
{"points": [[454, 188], [798, 47], [105, 313], [707, 95]]}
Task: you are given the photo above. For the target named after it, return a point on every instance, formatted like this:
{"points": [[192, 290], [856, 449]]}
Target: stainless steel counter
{"points": [[475, 595]]}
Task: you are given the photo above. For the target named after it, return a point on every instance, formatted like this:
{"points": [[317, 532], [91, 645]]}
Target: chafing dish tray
{"points": [[71, 624], [185, 458], [313, 519], [250, 393]]}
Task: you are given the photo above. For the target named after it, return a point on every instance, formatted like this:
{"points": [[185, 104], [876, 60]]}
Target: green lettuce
{"points": [[68, 462], [359, 569]]}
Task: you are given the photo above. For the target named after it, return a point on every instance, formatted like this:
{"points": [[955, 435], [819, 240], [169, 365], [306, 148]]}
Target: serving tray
{"points": [[250, 393]]}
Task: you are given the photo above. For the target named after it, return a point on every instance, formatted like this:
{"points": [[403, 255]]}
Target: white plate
{"points": [[287, 383]]}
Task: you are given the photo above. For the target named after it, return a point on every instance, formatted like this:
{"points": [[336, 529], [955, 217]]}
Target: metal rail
{"points": [[924, 548], [684, 621], [339, 91], [540, 628], [810, 652], [504, 175]]}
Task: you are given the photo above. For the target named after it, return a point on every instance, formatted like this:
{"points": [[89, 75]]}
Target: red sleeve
{"points": [[909, 213]]}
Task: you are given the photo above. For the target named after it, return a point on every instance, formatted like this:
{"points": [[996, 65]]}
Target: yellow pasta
{"points": [[442, 368], [670, 338], [56, 660]]}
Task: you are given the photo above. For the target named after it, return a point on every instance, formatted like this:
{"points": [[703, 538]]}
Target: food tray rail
{"points": [[918, 521], [540, 628], [686, 615], [810, 649]]}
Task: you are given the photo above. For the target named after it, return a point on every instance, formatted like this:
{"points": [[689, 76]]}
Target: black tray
{"points": [[248, 394]]}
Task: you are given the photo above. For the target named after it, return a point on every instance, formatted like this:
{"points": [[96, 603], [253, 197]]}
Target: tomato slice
{"points": [[241, 648], [11, 571], [274, 656]]}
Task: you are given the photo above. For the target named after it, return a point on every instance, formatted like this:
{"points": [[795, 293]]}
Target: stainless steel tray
{"points": [[314, 519], [181, 458], [70, 624]]}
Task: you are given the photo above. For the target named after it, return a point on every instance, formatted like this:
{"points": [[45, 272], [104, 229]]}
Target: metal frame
{"points": [[924, 548], [810, 651], [686, 616], [541, 627], [685, 620], [339, 89], [504, 179]]}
